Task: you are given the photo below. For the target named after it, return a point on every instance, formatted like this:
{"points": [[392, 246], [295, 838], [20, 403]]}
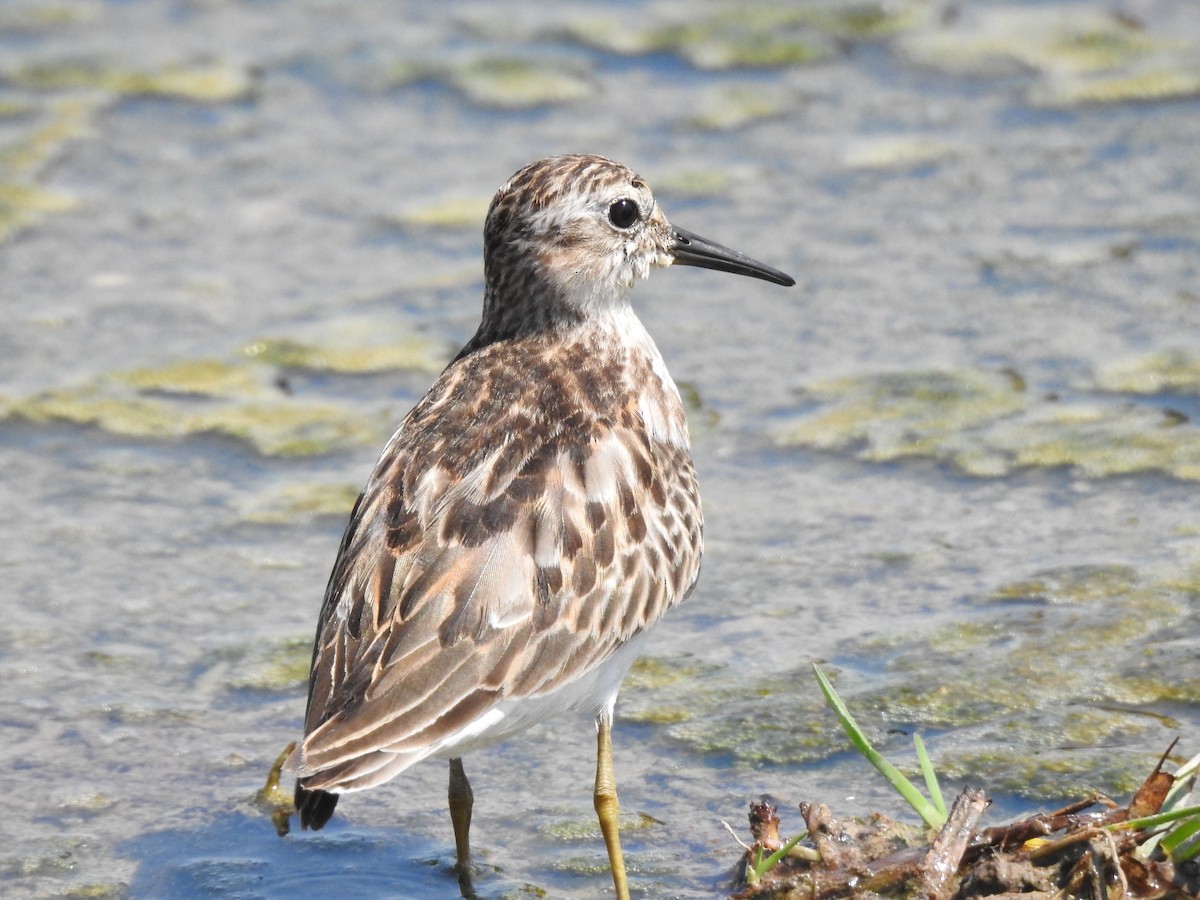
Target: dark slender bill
{"points": [[692, 250]]}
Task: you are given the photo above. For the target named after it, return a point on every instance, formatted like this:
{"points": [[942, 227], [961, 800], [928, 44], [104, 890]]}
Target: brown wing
{"points": [[501, 571]]}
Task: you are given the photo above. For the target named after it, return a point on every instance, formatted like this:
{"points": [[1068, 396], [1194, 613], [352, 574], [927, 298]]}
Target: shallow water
{"points": [[959, 464]]}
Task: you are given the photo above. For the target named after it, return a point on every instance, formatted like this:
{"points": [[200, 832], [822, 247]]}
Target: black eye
{"points": [[623, 213]]}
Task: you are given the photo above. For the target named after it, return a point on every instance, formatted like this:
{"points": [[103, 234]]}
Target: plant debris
{"points": [[1093, 848]]}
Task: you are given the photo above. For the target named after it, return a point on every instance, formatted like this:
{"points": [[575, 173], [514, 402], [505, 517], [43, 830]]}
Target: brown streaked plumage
{"points": [[532, 516]]}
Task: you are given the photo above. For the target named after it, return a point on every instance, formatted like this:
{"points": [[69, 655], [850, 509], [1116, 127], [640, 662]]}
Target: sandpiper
{"points": [[530, 519]]}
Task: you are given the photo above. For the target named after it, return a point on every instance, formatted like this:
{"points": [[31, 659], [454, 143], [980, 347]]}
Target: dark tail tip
{"points": [[315, 807]]}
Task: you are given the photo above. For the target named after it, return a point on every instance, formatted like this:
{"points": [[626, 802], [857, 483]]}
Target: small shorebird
{"points": [[531, 518]]}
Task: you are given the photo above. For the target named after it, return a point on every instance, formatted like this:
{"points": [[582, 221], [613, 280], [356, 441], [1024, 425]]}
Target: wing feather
{"points": [[498, 573]]}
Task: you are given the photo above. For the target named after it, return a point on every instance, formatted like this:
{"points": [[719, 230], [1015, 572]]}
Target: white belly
{"points": [[594, 691]]}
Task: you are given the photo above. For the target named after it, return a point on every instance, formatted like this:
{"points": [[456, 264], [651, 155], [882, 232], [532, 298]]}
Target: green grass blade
{"points": [[1174, 840], [1147, 822], [931, 779], [763, 866], [905, 788], [1183, 782], [753, 874]]}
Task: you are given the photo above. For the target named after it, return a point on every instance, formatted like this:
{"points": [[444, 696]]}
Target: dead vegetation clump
{"points": [[1093, 848]]}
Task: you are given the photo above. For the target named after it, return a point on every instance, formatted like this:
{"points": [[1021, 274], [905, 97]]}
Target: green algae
{"points": [[501, 83], [755, 35], [893, 415], [661, 677], [586, 829], [1055, 38], [97, 889], [15, 109], [692, 183], [1075, 585], [200, 377], [286, 428], [88, 804], [769, 722], [701, 418], [1160, 675], [60, 123], [43, 17], [411, 353], [88, 405], [404, 72], [1042, 681], [654, 673], [110, 660], [1029, 691], [458, 213], [1156, 83], [721, 44], [512, 84], [708, 709], [868, 20], [1050, 776], [56, 861], [22, 199], [1099, 441], [752, 37], [279, 667], [208, 82], [1080, 55], [609, 34], [731, 107], [16, 198], [244, 398], [274, 428], [1174, 370], [1187, 581], [23, 204], [1104, 43], [988, 425], [297, 502], [142, 714], [899, 152]]}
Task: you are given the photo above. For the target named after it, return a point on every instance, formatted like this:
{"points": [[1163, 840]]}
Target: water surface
{"points": [[959, 464]]}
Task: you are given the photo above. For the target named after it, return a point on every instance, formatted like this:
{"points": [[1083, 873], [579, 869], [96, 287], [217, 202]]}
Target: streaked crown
{"points": [[565, 238]]}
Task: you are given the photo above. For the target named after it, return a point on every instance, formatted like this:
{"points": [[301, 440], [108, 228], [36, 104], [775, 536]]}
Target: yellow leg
{"points": [[605, 800], [461, 801]]}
